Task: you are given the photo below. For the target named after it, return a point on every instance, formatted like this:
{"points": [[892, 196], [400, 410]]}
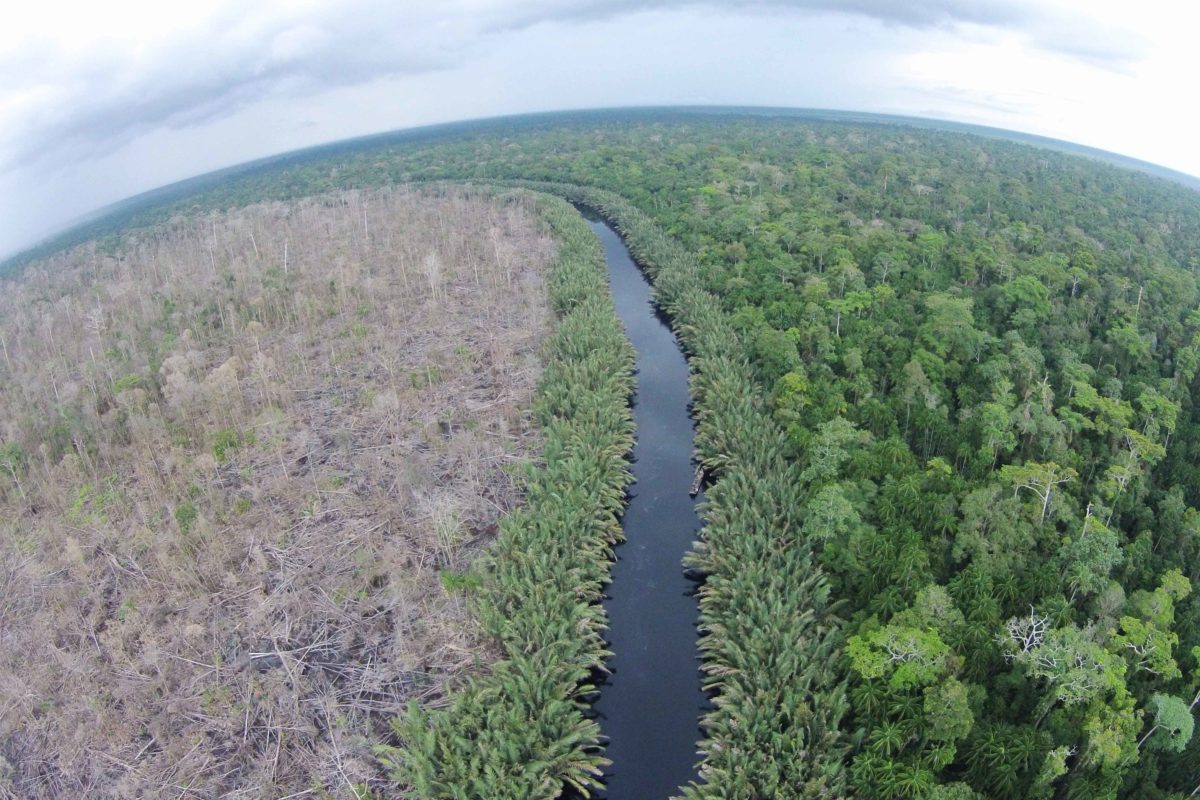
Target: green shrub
{"points": [[459, 582], [522, 731], [772, 640], [126, 382], [225, 441], [185, 516]]}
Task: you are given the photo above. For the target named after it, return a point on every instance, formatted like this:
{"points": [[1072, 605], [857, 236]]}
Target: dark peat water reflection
{"points": [[649, 708]]}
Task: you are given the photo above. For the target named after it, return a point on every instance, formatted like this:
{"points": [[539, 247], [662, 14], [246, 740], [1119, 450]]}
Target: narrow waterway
{"points": [[649, 708]]}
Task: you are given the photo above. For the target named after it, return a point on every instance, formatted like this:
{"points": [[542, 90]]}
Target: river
{"points": [[649, 708]]}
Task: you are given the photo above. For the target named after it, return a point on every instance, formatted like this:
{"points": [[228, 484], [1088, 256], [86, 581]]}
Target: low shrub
{"points": [[521, 731]]}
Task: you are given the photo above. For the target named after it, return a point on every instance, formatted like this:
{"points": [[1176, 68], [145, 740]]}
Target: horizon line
{"points": [[1113, 158]]}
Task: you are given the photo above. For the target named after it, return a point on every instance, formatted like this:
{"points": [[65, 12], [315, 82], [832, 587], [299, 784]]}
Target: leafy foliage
{"points": [[974, 367], [521, 731], [770, 636]]}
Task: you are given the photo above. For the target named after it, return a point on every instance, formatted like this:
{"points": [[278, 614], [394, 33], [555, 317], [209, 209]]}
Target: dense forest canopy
{"points": [[985, 357]]}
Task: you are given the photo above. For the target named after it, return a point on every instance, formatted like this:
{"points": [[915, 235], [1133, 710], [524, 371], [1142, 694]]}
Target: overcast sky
{"points": [[99, 101]]}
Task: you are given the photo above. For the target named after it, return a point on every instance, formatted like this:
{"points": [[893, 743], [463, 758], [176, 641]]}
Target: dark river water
{"points": [[649, 708]]}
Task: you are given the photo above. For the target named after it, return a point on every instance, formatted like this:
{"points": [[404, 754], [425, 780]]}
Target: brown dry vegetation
{"points": [[240, 455]]}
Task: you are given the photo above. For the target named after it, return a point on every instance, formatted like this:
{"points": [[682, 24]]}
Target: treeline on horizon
{"points": [[984, 357], [985, 364], [151, 206]]}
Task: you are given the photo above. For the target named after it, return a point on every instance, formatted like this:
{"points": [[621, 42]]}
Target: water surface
{"points": [[649, 708]]}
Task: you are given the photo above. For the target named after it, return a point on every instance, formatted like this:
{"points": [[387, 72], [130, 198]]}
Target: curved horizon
{"points": [[197, 181], [100, 106]]}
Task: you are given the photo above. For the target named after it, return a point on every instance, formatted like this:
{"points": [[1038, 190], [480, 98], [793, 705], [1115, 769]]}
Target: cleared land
{"points": [[245, 458]]}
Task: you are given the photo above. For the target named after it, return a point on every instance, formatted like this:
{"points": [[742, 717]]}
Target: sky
{"points": [[100, 101]]}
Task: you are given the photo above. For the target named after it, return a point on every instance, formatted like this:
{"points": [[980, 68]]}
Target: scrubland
{"points": [[245, 461]]}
